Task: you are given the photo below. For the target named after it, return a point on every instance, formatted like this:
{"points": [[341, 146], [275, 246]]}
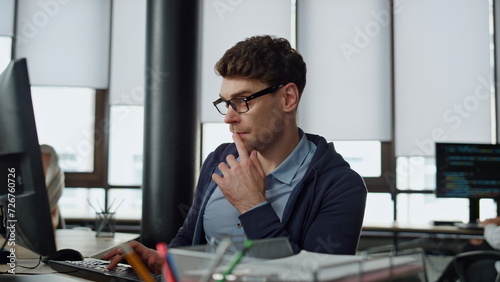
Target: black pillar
{"points": [[171, 132]]}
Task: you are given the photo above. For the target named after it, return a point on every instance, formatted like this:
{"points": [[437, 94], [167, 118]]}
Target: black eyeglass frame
{"points": [[261, 93]]}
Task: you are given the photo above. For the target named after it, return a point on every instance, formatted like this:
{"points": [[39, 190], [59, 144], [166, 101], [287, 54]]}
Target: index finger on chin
{"points": [[240, 146]]}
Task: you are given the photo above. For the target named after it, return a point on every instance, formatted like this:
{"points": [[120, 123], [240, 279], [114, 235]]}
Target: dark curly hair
{"points": [[268, 59]]}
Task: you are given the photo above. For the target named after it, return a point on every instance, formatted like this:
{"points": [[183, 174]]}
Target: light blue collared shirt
{"points": [[221, 218]]}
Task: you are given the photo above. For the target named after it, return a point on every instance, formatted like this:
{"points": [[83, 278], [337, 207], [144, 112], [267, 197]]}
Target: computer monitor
{"points": [[468, 171], [24, 206]]}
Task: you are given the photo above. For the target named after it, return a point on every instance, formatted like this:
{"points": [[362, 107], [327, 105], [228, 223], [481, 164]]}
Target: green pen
{"points": [[236, 259]]}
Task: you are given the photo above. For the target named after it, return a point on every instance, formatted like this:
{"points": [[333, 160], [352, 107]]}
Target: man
{"points": [[274, 180], [484, 269], [54, 181]]}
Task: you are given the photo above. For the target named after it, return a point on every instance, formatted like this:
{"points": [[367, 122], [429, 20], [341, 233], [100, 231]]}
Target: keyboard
{"points": [[469, 225], [94, 269]]}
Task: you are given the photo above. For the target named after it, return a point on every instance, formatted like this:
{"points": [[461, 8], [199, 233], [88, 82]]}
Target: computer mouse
{"points": [[64, 254], [4, 257]]}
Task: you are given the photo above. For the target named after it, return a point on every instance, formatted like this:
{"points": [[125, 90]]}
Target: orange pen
{"points": [[136, 263]]}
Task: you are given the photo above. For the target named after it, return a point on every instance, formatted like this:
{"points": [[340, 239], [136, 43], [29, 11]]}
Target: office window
{"points": [[73, 202], [363, 156], [127, 203], [416, 173], [65, 119], [5, 51], [424, 208], [214, 134], [379, 209], [126, 145]]}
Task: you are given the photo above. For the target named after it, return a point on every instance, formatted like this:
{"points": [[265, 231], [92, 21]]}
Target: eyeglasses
{"points": [[240, 104]]}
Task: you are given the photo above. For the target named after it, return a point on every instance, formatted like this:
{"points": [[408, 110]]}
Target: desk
{"points": [[83, 241], [423, 228], [86, 243], [396, 230]]}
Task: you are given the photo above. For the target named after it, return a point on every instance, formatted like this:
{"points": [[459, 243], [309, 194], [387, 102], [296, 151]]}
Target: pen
{"points": [[219, 254], [167, 269], [236, 259], [136, 263]]}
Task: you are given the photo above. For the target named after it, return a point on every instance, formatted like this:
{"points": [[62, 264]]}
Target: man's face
{"points": [[261, 127]]}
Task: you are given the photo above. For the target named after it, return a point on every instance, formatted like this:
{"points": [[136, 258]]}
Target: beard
{"points": [[266, 136]]}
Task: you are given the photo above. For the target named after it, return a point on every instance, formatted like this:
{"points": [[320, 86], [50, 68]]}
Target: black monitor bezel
{"points": [[19, 149]]}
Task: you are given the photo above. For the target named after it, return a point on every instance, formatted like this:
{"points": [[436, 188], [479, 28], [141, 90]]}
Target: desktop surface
{"points": [[422, 228], [83, 241], [78, 240]]}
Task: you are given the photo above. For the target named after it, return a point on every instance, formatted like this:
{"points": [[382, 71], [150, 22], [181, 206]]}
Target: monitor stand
{"points": [[473, 216]]}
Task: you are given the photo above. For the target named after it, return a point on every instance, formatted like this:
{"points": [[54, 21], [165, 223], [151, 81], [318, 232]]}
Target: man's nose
{"points": [[231, 116]]}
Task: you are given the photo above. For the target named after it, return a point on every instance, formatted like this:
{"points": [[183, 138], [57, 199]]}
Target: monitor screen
{"points": [[24, 206], [467, 170]]}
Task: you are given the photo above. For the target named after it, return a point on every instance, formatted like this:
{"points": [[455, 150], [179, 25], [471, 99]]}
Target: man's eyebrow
{"points": [[237, 94]]}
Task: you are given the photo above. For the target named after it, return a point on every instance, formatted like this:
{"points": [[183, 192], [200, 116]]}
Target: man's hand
{"points": [[148, 256], [495, 220], [243, 183]]}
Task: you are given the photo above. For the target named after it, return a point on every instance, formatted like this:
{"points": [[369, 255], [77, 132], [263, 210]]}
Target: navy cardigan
{"points": [[323, 214]]}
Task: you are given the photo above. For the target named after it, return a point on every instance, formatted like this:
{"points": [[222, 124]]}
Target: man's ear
{"points": [[291, 97]]}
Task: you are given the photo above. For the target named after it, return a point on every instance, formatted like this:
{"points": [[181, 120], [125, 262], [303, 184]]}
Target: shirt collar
{"points": [[287, 170]]}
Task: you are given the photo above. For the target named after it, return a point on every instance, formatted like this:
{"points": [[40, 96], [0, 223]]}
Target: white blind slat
{"points": [[128, 52], [7, 17], [66, 43], [442, 74], [346, 46]]}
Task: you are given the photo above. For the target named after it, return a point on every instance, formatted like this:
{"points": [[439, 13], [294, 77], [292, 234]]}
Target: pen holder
{"points": [[105, 223]]}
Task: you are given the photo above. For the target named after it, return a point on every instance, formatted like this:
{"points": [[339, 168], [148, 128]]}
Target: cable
{"points": [[32, 267]]}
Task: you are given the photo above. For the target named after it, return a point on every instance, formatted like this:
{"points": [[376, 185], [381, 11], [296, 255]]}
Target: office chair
{"points": [[62, 222], [476, 265]]}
